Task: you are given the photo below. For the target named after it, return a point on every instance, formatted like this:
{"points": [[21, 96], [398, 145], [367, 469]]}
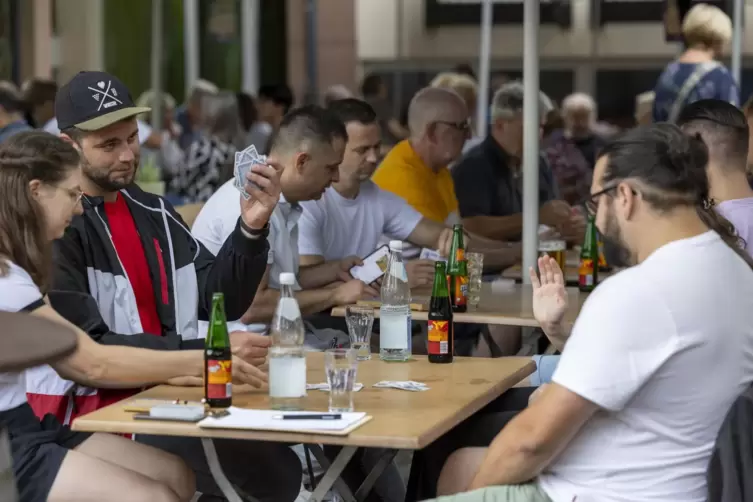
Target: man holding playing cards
{"points": [[129, 272], [309, 146]]}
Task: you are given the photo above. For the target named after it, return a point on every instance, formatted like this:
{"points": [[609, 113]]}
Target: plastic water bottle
{"points": [[394, 314], [287, 356]]}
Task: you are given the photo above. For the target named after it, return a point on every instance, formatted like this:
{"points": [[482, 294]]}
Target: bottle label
{"points": [[458, 289], [602, 259], [459, 255], [439, 337], [586, 273], [219, 379]]}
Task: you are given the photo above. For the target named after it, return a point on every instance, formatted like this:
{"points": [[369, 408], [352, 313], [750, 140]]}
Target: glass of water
{"points": [[341, 366], [360, 319], [475, 272]]}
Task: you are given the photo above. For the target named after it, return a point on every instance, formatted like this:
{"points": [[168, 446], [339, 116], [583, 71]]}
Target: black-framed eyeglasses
{"points": [[592, 202], [463, 126]]}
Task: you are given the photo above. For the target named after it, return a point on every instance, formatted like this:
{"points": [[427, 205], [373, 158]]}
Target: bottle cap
{"points": [[287, 279], [396, 245]]}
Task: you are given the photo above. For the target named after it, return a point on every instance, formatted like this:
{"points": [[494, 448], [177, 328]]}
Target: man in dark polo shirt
{"points": [[489, 182]]}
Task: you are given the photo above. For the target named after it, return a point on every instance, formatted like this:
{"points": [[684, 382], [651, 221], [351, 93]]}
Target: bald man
{"points": [[416, 168]]}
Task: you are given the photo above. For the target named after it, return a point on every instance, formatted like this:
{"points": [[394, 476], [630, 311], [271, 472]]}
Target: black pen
{"points": [[312, 416]]}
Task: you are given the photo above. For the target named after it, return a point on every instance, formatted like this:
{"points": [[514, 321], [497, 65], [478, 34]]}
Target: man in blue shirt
{"points": [[11, 111]]}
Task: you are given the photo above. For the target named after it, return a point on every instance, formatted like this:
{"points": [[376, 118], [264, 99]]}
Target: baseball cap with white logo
{"points": [[93, 100]]}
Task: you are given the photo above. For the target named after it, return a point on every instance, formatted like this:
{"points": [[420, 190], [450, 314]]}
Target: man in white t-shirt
{"points": [[657, 355], [355, 216], [308, 146], [724, 129]]}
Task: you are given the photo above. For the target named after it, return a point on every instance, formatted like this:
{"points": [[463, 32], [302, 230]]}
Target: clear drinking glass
{"points": [[341, 366], [475, 272], [360, 319]]}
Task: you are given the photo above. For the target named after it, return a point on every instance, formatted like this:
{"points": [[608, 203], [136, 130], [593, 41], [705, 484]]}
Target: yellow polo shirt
{"points": [[403, 173]]}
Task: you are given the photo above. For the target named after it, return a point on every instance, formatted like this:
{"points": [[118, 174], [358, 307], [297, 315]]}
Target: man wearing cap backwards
{"points": [[129, 272]]}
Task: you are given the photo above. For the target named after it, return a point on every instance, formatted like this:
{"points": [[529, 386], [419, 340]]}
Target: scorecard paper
{"points": [[264, 420]]}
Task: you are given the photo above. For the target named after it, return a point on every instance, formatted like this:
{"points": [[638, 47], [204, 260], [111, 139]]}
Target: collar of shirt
{"points": [[499, 157]]}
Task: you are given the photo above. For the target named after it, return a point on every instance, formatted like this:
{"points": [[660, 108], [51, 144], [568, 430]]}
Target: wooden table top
{"points": [[501, 304], [401, 419]]}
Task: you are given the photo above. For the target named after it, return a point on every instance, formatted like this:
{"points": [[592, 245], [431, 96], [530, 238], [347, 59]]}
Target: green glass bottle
{"points": [[457, 271], [441, 346], [218, 358], [588, 270]]}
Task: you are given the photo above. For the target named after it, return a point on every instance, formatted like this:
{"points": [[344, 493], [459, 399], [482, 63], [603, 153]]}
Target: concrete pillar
{"points": [[36, 39], [80, 27]]}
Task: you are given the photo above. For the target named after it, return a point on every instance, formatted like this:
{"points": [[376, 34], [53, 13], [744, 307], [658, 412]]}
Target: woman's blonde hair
{"points": [[463, 85], [707, 26]]}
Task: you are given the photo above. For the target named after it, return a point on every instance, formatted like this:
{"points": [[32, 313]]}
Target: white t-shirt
{"points": [[664, 348], [17, 292], [217, 220], [335, 227]]}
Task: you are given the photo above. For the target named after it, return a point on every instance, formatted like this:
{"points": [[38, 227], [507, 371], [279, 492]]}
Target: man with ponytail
{"points": [[724, 129], [633, 412]]}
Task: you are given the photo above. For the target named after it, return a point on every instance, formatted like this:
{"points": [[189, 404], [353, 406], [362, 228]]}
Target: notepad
{"points": [[263, 420]]}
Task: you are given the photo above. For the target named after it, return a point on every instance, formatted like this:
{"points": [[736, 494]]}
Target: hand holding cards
{"points": [[373, 266], [244, 160]]}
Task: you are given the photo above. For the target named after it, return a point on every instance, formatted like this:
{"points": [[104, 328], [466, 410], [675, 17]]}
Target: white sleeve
{"points": [[18, 291], [210, 229], [623, 335], [400, 217], [311, 230]]}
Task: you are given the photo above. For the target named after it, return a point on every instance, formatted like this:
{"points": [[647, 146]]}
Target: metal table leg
{"points": [[375, 473], [216, 469], [332, 475]]}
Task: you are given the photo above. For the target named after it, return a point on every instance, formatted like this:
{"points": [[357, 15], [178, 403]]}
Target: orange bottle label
{"points": [[586, 272], [219, 379], [602, 259], [439, 336], [458, 289], [459, 255]]}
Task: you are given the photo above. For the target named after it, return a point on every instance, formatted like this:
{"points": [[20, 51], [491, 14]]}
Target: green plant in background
{"points": [[128, 45], [149, 171]]}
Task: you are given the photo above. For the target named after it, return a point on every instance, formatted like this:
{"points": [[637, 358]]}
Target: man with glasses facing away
{"points": [[632, 414], [723, 127]]}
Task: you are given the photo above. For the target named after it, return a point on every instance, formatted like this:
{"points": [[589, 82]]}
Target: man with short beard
{"points": [[129, 272]]}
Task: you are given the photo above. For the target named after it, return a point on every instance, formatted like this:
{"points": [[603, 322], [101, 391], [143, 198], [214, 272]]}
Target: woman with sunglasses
{"points": [[39, 194]]}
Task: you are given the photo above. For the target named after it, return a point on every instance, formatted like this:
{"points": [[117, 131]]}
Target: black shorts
{"points": [[37, 449]]}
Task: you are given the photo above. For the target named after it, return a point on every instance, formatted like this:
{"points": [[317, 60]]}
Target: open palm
{"points": [[549, 294]]}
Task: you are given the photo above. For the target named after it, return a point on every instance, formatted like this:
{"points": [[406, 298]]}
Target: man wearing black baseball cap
{"points": [[129, 272]]}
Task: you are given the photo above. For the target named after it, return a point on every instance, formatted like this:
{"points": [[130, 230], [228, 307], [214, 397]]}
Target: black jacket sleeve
{"points": [[70, 297], [236, 271]]}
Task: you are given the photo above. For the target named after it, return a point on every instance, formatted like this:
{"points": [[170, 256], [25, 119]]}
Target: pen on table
{"points": [[312, 416]]}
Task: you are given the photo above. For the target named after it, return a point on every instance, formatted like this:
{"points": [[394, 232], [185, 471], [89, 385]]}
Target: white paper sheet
{"points": [[240, 418]]}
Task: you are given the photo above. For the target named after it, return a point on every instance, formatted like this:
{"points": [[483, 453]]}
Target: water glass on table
{"points": [[475, 273], [341, 366], [360, 320]]}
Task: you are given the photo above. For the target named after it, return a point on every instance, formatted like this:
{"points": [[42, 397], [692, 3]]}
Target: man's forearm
{"points": [[511, 460], [237, 271], [316, 276], [142, 367], [498, 228], [309, 301], [557, 334]]}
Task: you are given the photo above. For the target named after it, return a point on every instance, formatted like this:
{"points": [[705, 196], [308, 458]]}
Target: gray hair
{"points": [[221, 118], [200, 89], [579, 101], [508, 101]]}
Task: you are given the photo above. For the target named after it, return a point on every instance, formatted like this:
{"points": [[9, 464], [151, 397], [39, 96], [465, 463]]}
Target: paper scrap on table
{"points": [[325, 386], [431, 254], [407, 385]]}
